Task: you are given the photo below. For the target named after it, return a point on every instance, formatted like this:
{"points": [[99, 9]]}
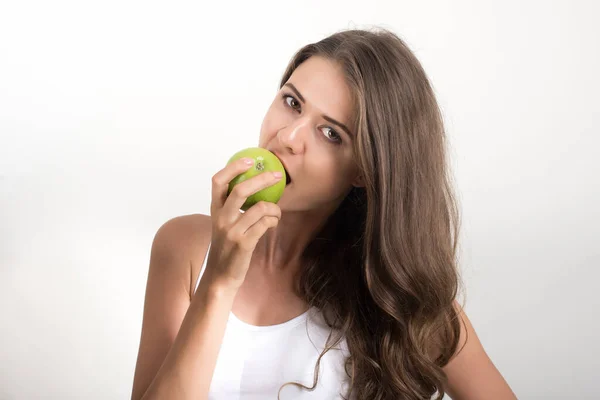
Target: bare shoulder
{"points": [[168, 291], [471, 373], [186, 236]]}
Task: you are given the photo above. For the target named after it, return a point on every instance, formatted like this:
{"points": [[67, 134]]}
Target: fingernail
{"points": [[248, 161], [277, 174]]}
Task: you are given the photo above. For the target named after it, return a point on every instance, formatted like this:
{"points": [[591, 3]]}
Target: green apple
{"points": [[264, 160]]}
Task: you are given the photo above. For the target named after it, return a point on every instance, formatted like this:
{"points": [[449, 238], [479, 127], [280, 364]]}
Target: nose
{"points": [[294, 136]]}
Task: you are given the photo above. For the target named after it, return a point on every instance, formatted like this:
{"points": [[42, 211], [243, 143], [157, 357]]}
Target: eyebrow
{"points": [[325, 117]]}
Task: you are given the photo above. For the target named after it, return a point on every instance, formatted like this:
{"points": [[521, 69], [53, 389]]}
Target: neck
{"points": [[280, 249]]}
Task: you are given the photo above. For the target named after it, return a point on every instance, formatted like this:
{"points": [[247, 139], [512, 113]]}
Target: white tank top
{"points": [[255, 361]]}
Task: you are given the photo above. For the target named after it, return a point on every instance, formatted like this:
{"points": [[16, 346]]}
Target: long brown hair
{"points": [[384, 269]]}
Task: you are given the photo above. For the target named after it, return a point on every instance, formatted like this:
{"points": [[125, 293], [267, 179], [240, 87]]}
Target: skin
{"points": [[323, 172], [318, 155]]}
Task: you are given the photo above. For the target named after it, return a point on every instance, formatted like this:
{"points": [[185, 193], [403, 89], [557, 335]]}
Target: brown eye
{"points": [[332, 135], [291, 101]]}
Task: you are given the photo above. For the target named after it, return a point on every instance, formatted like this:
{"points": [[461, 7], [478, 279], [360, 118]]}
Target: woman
{"points": [[347, 286]]}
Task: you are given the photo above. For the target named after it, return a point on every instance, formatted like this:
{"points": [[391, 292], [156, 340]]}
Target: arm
{"points": [[189, 366], [471, 373], [180, 339]]}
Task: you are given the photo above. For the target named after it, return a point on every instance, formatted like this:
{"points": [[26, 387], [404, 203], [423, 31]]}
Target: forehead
{"points": [[322, 84]]}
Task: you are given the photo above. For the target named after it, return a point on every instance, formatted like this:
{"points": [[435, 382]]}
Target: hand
{"points": [[235, 234]]}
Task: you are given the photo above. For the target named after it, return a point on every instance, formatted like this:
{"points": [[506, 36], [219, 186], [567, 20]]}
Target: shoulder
{"points": [[181, 234], [471, 373], [184, 238], [168, 288]]}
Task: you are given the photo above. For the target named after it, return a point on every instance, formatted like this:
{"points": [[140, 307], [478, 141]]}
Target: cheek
{"points": [[271, 124], [264, 128], [327, 170]]}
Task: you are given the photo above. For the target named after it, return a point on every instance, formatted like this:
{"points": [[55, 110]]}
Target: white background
{"points": [[114, 115]]}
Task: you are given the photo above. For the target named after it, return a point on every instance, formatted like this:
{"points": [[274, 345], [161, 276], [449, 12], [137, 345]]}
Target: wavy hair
{"points": [[384, 269]]}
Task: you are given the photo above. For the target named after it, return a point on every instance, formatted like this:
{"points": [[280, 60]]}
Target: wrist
{"points": [[222, 291], [216, 289]]}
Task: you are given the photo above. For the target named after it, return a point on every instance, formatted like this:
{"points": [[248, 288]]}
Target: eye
{"points": [[291, 101], [332, 135]]}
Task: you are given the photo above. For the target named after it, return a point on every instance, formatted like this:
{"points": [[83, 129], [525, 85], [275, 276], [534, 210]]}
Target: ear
{"points": [[359, 181]]}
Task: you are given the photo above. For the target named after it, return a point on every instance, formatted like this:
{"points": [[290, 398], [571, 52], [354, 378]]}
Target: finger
{"points": [[220, 181], [243, 190], [254, 214], [256, 231]]}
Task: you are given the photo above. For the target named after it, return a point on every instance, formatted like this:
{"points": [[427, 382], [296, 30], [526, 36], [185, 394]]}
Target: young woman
{"points": [[347, 287]]}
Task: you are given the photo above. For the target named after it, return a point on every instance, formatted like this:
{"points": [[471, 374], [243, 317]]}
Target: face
{"points": [[308, 127]]}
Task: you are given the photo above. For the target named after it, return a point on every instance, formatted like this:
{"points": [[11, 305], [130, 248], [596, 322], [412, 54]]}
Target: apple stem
{"points": [[260, 166]]}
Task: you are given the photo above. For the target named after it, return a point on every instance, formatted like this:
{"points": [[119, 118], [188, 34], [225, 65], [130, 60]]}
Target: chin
{"points": [[286, 201]]}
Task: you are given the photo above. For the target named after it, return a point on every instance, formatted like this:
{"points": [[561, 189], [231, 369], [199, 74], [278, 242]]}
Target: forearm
{"points": [[189, 365]]}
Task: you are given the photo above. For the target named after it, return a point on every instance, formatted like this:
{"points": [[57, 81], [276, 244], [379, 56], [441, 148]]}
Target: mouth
{"points": [[288, 179]]}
